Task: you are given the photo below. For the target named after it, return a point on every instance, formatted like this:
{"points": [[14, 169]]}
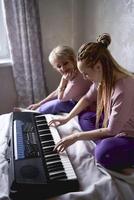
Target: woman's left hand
{"points": [[65, 142]]}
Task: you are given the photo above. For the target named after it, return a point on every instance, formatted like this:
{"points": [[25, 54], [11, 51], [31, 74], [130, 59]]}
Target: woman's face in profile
{"points": [[92, 73]]}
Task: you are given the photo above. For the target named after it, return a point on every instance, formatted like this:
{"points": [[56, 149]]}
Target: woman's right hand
{"points": [[68, 76], [59, 121], [33, 106]]}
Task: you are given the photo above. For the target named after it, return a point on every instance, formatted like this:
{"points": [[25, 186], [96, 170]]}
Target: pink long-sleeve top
{"points": [[121, 117], [76, 88]]}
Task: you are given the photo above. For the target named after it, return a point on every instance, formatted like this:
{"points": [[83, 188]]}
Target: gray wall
{"points": [[8, 97], [116, 18], [60, 21], [73, 22]]}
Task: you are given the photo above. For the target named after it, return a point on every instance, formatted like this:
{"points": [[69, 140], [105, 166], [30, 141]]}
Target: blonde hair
{"points": [[64, 53], [90, 54]]}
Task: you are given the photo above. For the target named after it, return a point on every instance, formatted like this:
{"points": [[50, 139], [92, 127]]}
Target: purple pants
{"points": [[87, 120], [56, 106], [114, 153]]}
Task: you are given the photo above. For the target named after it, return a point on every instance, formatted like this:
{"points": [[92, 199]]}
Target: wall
{"points": [[60, 25], [74, 22], [116, 18], [8, 97]]}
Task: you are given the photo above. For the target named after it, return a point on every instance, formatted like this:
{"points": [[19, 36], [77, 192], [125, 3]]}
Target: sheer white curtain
{"points": [[4, 47], [23, 25]]}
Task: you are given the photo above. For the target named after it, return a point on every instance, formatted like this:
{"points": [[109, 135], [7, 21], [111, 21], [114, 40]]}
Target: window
{"points": [[4, 45]]}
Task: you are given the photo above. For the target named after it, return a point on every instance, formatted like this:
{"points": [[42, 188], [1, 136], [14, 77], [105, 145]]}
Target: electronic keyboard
{"points": [[35, 168]]}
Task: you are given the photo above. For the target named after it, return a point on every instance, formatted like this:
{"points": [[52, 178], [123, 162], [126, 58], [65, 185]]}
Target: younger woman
{"points": [[113, 88]]}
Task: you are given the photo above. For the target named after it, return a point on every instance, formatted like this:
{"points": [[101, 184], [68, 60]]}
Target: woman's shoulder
{"points": [[79, 78], [125, 82], [124, 86]]}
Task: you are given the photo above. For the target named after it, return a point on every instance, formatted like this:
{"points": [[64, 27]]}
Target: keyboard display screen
{"points": [[25, 145]]}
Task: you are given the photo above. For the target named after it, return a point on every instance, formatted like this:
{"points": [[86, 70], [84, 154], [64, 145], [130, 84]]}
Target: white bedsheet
{"points": [[5, 133], [96, 183]]}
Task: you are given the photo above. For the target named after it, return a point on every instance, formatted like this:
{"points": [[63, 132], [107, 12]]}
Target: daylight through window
{"points": [[4, 45]]}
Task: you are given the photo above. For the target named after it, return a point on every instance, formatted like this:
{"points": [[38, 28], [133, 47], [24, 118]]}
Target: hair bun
{"points": [[104, 39]]}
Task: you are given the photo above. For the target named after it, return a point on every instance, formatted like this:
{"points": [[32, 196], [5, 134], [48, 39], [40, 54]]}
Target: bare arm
{"points": [[80, 106], [62, 86], [87, 135], [94, 134], [51, 96], [55, 93]]}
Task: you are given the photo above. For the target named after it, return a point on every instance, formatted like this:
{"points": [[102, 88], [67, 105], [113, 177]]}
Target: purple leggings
{"points": [[87, 120], [114, 153], [56, 106]]}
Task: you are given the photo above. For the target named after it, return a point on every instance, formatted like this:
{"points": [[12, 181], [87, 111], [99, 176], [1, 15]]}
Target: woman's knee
{"points": [[104, 153], [49, 107], [45, 110], [114, 153]]}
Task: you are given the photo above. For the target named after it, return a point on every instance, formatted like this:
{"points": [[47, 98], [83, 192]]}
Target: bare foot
{"points": [[17, 109]]}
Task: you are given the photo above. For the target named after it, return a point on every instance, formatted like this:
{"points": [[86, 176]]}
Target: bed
{"points": [[96, 183]]}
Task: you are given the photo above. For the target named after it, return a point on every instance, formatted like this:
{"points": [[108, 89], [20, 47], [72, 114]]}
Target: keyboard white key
{"points": [[63, 156], [56, 137]]}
